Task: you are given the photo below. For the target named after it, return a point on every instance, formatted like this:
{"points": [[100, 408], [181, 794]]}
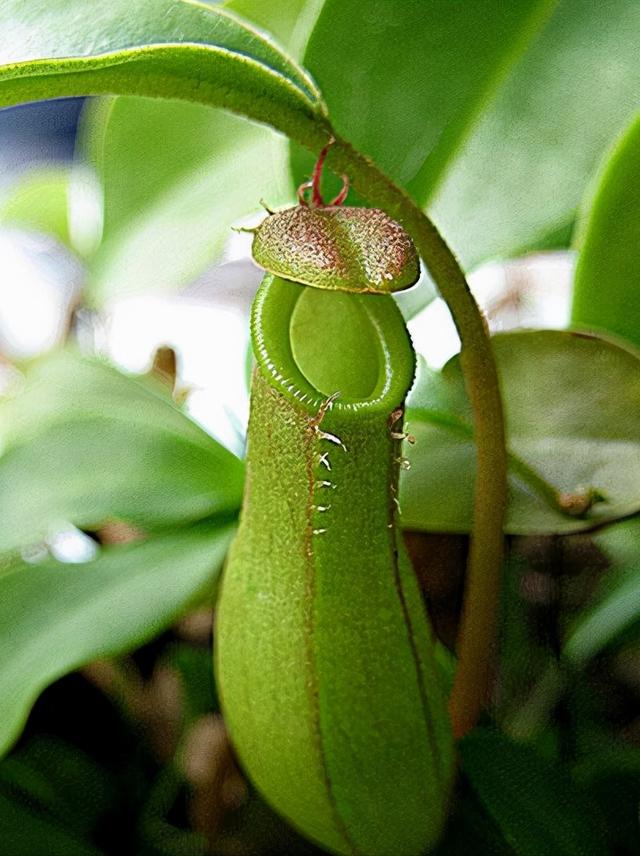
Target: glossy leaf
{"points": [[159, 48], [534, 803], [411, 108], [289, 21], [85, 444], [38, 202], [519, 179], [164, 49], [615, 606], [607, 281], [174, 178], [405, 81], [572, 415], [56, 617]]}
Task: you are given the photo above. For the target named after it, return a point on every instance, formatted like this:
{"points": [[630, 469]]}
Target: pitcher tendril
{"points": [[317, 199]]}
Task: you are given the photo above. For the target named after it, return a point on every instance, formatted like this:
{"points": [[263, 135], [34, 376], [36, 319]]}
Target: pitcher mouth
{"points": [[373, 378]]}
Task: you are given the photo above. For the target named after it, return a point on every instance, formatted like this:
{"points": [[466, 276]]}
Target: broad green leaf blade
{"points": [[616, 605], [289, 21], [66, 386], [534, 803], [521, 175], [174, 176], [56, 617], [38, 202], [160, 48], [571, 409], [406, 81], [607, 281], [86, 444]]}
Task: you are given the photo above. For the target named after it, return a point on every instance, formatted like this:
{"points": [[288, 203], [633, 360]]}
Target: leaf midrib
{"points": [[446, 159]]}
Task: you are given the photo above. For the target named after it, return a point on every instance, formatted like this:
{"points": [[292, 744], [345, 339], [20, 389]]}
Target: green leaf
{"points": [[164, 49], [55, 617], [61, 781], [27, 832], [607, 758], [39, 202], [406, 82], [520, 177], [615, 606], [86, 444], [289, 21], [175, 176], [534, 803], [606, 293], [159, 48], [571, 409]]}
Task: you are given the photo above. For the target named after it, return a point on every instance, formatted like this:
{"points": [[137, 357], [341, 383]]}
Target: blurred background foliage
{"points": [[123, 366]]}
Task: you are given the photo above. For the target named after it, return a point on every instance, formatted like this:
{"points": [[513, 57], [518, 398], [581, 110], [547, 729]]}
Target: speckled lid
{"points": [[335, 247]]}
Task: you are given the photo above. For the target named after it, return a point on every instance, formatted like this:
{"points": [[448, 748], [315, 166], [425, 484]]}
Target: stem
{"points": [[477, 633]]}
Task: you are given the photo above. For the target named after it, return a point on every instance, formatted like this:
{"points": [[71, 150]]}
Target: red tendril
{"points": [[339, 199], [301, 192], [314, 184]]}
